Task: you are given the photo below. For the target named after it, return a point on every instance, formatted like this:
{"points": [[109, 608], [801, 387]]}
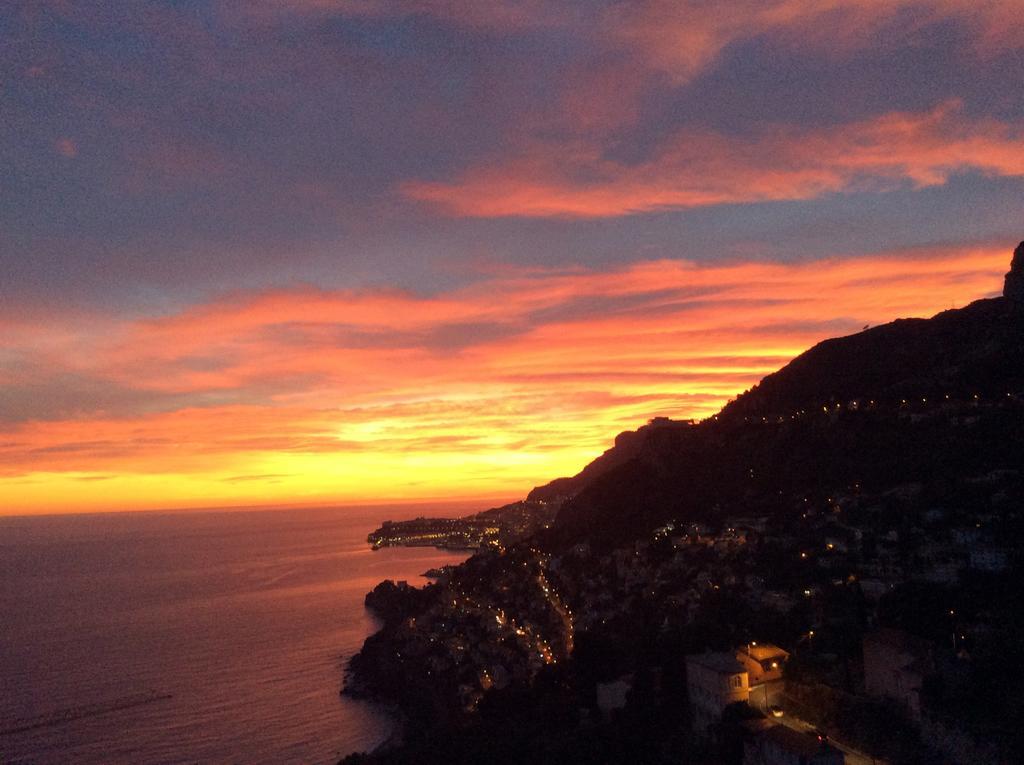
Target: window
{"points": [[737, 681]]}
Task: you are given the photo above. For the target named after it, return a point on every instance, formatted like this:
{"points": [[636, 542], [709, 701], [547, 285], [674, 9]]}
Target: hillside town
{"points": [[809, 620], [492, 528]]}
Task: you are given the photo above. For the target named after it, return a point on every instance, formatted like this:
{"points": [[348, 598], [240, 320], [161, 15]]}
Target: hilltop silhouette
{"points": [[902, 402]]}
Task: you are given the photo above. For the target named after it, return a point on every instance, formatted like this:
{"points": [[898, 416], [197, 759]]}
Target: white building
{"points": [[713, 682]]}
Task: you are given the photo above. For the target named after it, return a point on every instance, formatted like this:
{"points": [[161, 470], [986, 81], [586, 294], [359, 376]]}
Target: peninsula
{"points": [[494, 528]]}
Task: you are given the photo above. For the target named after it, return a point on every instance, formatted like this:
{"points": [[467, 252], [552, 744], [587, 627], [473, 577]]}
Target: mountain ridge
{"points": [[898, 371]]}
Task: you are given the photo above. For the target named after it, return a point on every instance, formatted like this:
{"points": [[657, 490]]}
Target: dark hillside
{"points": [[771, 468], [915, 400], [973, 350]]}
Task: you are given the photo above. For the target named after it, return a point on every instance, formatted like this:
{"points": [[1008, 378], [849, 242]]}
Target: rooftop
{"points": [[763, 651]]}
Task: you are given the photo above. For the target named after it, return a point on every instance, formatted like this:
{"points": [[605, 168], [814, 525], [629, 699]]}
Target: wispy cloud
{"points": [[683, 37], [583, 354], [700, 168]]}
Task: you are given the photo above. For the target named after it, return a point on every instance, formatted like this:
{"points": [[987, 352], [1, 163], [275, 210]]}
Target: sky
{"points": [[348, 251]]}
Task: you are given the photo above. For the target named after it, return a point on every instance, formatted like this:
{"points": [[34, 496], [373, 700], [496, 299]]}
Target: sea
{"points": [[195, 637]]}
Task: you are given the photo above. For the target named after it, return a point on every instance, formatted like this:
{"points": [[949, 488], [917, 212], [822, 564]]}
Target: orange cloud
{"points": [[696, 168], [489, 389]]}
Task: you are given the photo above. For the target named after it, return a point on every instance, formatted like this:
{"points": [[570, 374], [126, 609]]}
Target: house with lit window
{"points": [[763, 661], [713, 682]]}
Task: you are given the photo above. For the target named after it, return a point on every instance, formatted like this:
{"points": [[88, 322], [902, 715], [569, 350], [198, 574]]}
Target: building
{"points": [[763, 662], [713, 682], [895, 665], [770, 744]]}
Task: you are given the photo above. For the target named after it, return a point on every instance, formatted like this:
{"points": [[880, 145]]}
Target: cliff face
{"points": [[841, 412], [1013, 288]]}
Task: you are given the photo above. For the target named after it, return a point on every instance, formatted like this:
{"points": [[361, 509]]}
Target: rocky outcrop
{"points": [[1013, 289]]}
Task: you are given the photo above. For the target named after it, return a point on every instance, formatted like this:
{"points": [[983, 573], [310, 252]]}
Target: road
{"points": [[775, 694], [560, 608], [853, 757]]}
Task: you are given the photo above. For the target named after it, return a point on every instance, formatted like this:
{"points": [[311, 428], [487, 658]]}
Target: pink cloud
{"points": [[683, 37], [699, 168]]}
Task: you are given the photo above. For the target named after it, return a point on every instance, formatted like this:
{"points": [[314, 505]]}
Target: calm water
{"points": [[174, 638]]}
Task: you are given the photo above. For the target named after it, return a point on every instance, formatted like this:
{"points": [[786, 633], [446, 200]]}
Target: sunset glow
{"points": [[316, 395], [444, 381], [446, 249]]}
